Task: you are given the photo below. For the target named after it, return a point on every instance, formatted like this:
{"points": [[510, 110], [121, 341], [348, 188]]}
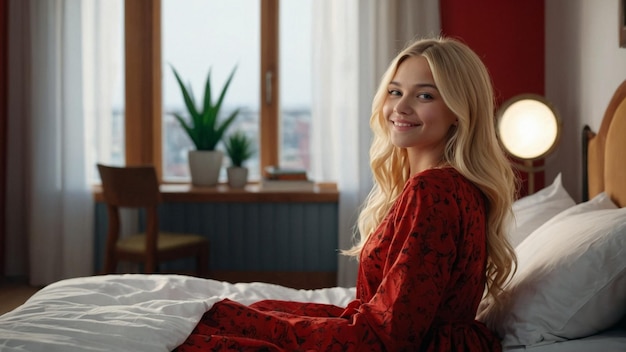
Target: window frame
{"points": [[143, 95]]}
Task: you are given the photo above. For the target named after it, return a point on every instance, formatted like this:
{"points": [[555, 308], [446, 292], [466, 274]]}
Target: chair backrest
{"points": [[130, 186]]}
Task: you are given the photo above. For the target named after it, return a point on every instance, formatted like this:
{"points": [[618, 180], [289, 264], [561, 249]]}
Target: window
{"points": [[296, 83], [201, 36], [218, 35]]}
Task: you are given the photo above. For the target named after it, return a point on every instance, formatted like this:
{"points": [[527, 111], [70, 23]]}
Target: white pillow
{"points": [[571, 278], [532, 211], [599, 202]]}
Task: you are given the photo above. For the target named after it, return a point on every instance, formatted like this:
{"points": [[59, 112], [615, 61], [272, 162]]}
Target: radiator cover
{"points": [[267, 236]]}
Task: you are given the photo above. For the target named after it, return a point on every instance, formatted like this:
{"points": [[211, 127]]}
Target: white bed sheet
{"points": [[131, 312], [135, 312]]}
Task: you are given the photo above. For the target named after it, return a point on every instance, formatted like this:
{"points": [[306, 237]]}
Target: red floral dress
{"points": [[420, 280]]}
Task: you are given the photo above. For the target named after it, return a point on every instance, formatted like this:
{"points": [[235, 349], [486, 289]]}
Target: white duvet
{"points": [[157, 313], [132, 312]]}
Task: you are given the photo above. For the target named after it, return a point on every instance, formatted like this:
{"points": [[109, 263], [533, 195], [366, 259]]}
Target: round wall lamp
{"points": [[528, 128]]}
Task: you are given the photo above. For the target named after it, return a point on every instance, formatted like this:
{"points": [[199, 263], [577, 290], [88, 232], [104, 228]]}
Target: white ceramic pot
{"points": [[237, 176], [205, 166]]}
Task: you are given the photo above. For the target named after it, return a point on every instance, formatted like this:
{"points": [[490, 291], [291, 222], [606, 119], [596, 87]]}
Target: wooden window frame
{"points": [[622, 23], [143, 99], [269, 125]]}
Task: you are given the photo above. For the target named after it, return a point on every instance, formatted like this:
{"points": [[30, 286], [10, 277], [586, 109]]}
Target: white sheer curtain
{"points": [[354, 40], [50, 203]]}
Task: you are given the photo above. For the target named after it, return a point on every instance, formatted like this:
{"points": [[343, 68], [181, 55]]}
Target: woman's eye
{"points": [[425, 96], [394, 92]]}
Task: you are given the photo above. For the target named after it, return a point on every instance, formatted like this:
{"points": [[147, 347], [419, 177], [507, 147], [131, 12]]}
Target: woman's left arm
{"points": [[418, 268]]}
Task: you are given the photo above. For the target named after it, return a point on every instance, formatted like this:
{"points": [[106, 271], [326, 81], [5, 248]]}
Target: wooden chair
{"points": [[138, 187]]}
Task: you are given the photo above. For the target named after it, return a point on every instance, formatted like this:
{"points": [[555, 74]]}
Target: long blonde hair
{"points": [[473, 149]]}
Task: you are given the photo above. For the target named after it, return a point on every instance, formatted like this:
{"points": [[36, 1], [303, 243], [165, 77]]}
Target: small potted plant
{"points": [[239, 149], [205, 131]]}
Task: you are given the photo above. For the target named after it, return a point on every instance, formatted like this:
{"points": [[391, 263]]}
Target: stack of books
{"points": [[281, 179]]}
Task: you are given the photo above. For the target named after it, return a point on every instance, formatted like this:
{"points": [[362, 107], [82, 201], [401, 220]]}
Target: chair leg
{"points": [[150, 266], [110, 264], [202, 262]]}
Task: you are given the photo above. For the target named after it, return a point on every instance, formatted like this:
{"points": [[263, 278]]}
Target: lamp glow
{"points": [[528, 128]]}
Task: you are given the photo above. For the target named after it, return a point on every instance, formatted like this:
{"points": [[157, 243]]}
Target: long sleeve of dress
{"points": [[421, 276], [421, 237]]}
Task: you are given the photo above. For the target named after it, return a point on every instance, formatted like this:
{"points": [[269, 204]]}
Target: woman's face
{"points": [[418, 118]]}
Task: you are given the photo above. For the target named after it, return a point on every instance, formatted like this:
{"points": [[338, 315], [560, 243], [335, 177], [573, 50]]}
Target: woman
{"points": [[432, 240]]}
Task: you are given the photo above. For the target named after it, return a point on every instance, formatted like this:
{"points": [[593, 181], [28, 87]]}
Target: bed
{"points": [[569, 292]]}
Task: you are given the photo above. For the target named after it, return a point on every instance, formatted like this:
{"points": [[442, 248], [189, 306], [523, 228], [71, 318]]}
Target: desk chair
{"points": [[138, 187]]}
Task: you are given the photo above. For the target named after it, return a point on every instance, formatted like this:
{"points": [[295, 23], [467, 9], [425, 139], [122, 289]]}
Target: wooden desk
{"points": [[287, 238], [322, 193]]}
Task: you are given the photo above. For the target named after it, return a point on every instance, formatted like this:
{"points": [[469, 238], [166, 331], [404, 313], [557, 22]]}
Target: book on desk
{"points": [[277, 179]]}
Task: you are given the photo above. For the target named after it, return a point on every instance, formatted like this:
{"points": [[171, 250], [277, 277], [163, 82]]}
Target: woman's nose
{"points": [[402, 108]]}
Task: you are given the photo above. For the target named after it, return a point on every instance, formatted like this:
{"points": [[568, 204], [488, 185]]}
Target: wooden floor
{"points": [[13, 293]]}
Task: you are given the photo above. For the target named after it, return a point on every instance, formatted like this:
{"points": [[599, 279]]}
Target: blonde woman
{"points": [[431, 231], [440, 176]]}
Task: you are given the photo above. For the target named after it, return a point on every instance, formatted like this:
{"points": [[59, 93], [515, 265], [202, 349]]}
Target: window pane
{"points": [[295, 83], [198, 36]]}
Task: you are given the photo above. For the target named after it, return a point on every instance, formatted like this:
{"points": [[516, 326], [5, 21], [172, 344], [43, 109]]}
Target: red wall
{"points": [[510, 38]]}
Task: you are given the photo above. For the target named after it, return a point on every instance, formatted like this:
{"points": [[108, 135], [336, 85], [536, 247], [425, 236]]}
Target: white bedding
{"points": [[612, 340], [135, 312], [131, 312]]}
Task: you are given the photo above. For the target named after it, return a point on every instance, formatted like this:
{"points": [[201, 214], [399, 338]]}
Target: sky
{"points": [[222, 35]]}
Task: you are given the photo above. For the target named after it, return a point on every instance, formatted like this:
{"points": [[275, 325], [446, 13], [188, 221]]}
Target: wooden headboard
{"points": [[604, 153]]}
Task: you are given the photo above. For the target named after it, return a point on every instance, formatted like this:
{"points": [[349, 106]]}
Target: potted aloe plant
{"points": [[205, 131], [239, 149]]}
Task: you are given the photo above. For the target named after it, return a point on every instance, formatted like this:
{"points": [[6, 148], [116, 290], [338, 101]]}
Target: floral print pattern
{"points": [[420, 280]]}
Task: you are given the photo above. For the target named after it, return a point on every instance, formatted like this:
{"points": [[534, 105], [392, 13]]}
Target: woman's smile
{"points": [[403, 123]]}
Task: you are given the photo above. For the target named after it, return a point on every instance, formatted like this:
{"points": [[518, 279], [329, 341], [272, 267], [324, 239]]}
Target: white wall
{"points": [[584, 66]]}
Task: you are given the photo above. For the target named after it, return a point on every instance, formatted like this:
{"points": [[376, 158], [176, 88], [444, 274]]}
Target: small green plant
{"points": [[239, 148], [203, 128]]}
